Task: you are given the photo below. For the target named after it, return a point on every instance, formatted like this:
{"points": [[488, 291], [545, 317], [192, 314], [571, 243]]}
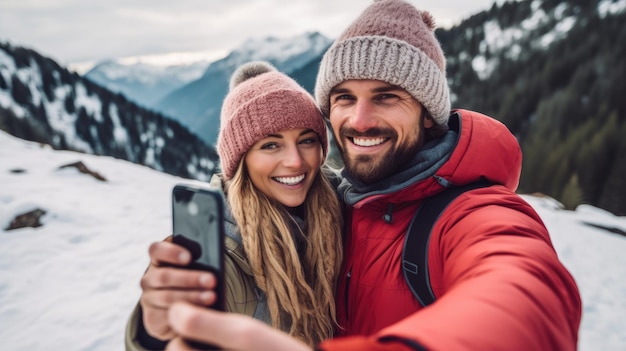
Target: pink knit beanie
{"points": [[263, 101], [394, 42]]}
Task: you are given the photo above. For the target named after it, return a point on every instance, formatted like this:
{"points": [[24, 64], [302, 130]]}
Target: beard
{"points": [[369, 169]]}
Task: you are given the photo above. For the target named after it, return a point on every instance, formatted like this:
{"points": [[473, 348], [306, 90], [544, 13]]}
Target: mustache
{"points": [[370, 133]]}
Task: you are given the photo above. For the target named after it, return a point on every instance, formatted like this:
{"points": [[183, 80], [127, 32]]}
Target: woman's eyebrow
{"points": [[280, 136]]}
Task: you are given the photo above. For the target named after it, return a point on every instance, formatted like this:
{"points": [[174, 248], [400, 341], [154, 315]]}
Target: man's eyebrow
{"points": [[382, 89], [336, 90], [386, 88]]}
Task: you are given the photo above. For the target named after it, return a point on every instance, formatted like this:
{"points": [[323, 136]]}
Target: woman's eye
{"points": [[269, 146], [311, 140]]}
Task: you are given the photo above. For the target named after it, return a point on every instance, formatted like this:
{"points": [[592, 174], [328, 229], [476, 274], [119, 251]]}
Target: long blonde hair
{"points": [[299, 290]]}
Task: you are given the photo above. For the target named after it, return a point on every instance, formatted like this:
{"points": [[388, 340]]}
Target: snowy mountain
{"points": [[550, 70], [70, 283], [144, 83], [193, 93], [198, 104], [41, 101]]}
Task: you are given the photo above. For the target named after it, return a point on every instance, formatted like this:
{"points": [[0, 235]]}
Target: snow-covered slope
{"points": [[71, 283]]}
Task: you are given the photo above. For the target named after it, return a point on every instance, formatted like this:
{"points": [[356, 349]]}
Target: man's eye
{"points": [[385, 96], [342, 97]]}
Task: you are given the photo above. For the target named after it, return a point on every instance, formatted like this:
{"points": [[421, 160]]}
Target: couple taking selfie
{"points": [[314, 255]]}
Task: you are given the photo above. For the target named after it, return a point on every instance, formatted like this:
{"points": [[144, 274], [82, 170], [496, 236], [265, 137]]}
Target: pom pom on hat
{"points": [[248, 71], [394, 42], [263, 101]]}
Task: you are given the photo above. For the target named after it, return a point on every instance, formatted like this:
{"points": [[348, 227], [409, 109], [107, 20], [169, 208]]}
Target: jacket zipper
{"points": [[348, 276]]}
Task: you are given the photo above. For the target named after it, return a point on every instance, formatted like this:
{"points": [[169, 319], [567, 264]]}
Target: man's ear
{"points": [[427, 119], [428, 122]]}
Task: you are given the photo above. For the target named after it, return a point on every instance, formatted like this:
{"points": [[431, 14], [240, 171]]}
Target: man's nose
{"points": [[363, 117]]}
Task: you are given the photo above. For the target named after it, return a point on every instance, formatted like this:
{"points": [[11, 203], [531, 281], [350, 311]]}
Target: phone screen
{"points": [[198, 224]]}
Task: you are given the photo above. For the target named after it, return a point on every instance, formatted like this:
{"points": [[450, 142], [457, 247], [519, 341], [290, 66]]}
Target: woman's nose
{"points": [[292, 157]]}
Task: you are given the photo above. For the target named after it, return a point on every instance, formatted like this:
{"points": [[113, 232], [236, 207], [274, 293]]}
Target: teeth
{"points": [[290, 180], [368, 141]]}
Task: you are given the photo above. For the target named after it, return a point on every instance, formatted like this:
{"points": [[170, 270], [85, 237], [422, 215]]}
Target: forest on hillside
{"points": [[552, 71], [565, 101], [57, 101]]}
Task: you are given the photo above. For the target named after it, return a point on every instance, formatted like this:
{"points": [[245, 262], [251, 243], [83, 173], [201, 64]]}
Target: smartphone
{"points": [[198, 224]]}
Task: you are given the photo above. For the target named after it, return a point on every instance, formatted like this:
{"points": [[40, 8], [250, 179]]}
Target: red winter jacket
{"points": [[498, 280]]}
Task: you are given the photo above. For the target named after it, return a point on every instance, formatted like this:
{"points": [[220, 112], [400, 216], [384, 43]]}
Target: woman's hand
{"points": [[167, 281]]}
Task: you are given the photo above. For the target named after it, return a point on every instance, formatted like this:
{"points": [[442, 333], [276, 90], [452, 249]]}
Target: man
{"points": [[498, 281]]}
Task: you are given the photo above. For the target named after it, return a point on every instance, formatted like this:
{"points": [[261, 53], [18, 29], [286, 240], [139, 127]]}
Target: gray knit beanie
{"points": [[263, 101], [394, 42]]}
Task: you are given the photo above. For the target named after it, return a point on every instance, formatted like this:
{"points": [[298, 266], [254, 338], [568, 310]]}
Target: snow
{"points": [[59, 119], [611, 7], [510, 41], [537, 17], [560, 31], [71, 283], [279, 51], [6, 100], [91, 103]]}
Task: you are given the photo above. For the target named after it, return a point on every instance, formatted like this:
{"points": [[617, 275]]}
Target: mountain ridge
{"points": [[44, 102], [551, 71], [144, 83], [198, 104]]}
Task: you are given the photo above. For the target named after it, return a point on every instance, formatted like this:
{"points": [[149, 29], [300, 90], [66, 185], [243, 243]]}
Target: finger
{"points": [[228, 330], [178, 344], [155, 322], [177, 278], [168, 253], [163, 299]]}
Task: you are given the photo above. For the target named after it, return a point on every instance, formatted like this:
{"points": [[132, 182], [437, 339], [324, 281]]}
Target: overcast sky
{"points": [[72, 31]]}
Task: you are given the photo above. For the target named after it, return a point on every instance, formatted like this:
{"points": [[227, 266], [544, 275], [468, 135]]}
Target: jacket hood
{"points": [[476, 147], [485, 149]]}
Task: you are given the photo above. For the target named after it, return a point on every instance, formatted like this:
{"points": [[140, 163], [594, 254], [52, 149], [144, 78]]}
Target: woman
{"points": [[284, 236]]}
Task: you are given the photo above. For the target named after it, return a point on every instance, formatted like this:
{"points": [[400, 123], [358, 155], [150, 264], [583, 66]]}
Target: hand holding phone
{"points": [[198, 224]]}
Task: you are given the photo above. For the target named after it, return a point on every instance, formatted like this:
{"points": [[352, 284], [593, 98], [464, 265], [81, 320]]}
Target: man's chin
{"points": [[365, 168]]}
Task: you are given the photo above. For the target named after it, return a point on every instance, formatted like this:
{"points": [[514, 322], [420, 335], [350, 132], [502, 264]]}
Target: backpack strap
{"points": [[415, 250]]}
